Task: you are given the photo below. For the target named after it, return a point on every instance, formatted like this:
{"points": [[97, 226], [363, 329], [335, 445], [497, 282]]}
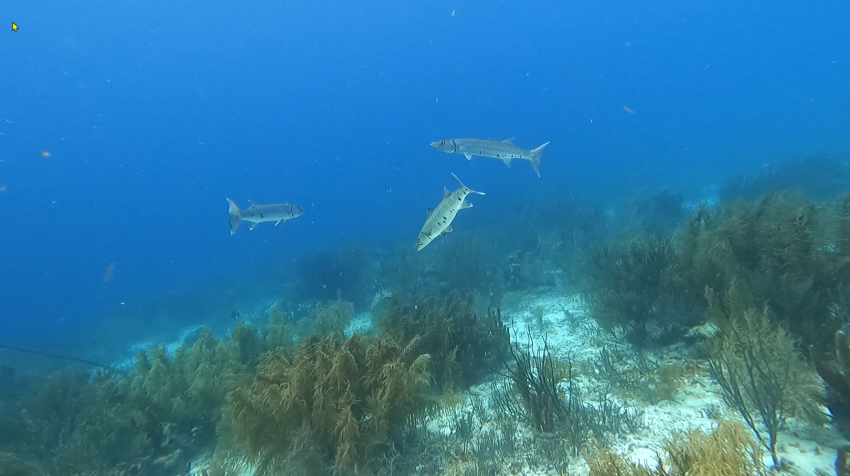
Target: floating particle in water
{"points": [[109, 273], [628, 110], [45, 153]]}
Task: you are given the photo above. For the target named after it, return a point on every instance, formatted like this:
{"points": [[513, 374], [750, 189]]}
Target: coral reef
{"points": [[658, 214], [760, 369], [330, 407], [820, 177], [461, 264], [331, 318], [463, 347], [638, 287], [727, 451], [152, 421], [544, 394], [782, 250], [836, 376]]}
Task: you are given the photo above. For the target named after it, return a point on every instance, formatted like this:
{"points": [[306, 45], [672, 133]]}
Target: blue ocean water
{"points": [[126, 124]]}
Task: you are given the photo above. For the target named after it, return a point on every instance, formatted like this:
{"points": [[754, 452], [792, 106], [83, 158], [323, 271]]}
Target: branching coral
{"points": [[463, 346], [640, 288], [348, 403], [782, 250], [727, 451], [758, 366], [544, 393], [331, 318], [152, 421]]}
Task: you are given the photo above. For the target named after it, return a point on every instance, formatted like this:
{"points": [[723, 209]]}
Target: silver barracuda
{"points": [[256, 214], [440, 219], [505, 150]]}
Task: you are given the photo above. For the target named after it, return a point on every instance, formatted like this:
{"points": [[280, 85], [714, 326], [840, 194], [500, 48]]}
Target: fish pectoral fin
{"points": [[446, 192], [466, 205], [278, 222], [429, 211], [509, 141], [468, 156], [448, 229]]}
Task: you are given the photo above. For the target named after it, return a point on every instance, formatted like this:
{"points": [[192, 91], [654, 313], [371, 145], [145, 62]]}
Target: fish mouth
{"points": [[435, 145]]}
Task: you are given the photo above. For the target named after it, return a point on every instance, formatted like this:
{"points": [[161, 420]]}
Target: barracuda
{"points": [[440, 219], [256, 214], [505, 150]]}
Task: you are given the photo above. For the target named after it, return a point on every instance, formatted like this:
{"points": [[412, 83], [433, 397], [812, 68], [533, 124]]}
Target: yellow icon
{"points": [[14, 27]]}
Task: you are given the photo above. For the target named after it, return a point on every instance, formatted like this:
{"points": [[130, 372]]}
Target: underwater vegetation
{"points": [[545, 244], [784, 251], [331, 318], [544, 393], [330, 406], [836, 376], [345, 272], [727, 451], [639, 288], [152, 421], [461, 264], [760, 369], [658, 214], [819, 177], [463, 347]]}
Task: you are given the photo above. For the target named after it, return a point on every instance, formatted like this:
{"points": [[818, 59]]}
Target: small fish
{"points": [[504, 150], [256, 214], [440, 219]]}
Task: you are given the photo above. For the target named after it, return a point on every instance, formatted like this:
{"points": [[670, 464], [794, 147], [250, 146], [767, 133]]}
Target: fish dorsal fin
{"points": [[446, 192], [449, 229], [251, 204], [509, 141], [429, 211], [466, 205]]}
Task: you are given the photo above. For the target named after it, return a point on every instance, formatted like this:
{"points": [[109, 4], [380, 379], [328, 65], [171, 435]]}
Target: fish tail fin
{"points": [[235, 218], [536, 155], [464, 186]]}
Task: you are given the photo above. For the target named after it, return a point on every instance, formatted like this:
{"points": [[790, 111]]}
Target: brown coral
{"points": [[347, 402]]}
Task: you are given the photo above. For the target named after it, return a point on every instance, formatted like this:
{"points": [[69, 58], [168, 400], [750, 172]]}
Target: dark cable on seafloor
{"points": [[62, 357]]}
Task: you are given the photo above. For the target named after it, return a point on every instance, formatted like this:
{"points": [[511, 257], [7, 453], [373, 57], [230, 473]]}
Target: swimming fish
{"points": [[440, 219], [256, 214], [504, 150]]}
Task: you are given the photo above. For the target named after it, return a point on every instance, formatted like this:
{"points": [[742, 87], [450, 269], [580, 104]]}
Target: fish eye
{"points": [[442, 142]]}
